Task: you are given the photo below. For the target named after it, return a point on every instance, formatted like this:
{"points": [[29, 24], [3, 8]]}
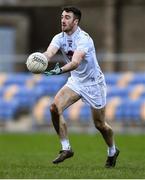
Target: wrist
{"points": [[61, 71]]}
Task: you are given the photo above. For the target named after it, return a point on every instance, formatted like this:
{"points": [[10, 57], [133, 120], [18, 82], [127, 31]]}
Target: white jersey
{"points": [[88, 71]]}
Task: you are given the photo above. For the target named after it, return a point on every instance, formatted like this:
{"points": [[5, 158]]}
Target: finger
{"points": [[57, 65], [48, 73]]}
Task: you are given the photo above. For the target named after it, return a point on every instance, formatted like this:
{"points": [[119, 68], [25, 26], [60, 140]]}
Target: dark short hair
{"points": [[74, 10]]}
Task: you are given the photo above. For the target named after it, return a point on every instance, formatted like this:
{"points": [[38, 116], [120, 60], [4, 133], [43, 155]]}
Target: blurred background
{"points": [[117, 28]]}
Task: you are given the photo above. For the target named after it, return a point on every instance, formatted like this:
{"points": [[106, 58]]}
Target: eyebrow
{"points": [[65, 15]]}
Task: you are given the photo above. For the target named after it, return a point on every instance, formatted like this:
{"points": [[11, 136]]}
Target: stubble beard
{"points": [[65, 29]]}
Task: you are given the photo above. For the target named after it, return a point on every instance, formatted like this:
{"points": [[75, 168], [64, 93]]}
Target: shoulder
{"points": [[58, 36], [84, 41], [82, 35]]}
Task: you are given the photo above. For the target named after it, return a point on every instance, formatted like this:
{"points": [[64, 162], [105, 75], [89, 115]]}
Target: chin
{"points": [[64, 30]]}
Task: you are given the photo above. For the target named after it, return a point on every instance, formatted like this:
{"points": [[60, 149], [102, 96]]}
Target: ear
{"points": [[76, 21]]}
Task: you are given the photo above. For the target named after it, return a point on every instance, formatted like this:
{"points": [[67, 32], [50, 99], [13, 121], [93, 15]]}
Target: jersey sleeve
{"points": [[83, 44], [56, 41]]}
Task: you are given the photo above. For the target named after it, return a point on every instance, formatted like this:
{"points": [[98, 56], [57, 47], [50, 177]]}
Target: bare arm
{"points": [[50, 52], [77, 57]]}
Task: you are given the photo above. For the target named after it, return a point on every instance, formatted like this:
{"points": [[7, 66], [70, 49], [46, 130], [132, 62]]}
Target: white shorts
{"points": [[93, 95]]}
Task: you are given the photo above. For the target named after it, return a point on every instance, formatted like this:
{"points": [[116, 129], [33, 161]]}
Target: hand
{"points": [[57, 70]]}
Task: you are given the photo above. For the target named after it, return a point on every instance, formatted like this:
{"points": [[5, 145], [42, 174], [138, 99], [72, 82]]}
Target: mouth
{"points": [[63, 25]]}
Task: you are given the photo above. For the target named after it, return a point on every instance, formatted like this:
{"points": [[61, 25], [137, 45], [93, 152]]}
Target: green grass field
{"points": [[30, 156]]}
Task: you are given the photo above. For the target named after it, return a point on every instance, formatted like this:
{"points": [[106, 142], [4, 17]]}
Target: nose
{"points": [[62, 20]]}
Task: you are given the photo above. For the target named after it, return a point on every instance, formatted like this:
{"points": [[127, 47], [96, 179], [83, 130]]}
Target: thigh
{"points": [[65, 97]]}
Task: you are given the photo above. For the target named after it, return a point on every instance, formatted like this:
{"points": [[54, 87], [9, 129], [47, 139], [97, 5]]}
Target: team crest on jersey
{"points": [[69, 43]]}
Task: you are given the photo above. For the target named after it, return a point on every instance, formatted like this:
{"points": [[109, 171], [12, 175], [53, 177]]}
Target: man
{"points": [[86, 82]]}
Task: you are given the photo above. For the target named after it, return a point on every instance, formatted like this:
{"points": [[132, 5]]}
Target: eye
{"points": [[68, 17]]}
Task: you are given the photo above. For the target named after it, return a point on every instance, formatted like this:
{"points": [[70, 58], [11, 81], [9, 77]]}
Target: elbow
{"points": [[75, 65]]}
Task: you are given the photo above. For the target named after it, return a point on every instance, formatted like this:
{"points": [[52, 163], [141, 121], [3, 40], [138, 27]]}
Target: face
{"points": [[68, 22]]}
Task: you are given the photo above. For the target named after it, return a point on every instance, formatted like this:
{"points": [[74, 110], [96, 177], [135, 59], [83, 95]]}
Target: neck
{"points": [[72, 31]]}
